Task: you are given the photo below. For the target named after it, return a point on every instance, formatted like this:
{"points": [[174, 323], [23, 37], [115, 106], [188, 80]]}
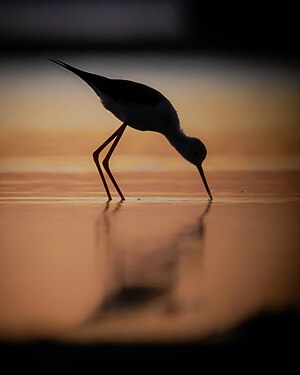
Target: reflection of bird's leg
{"points": [[105, 226], [103, 215], [107, 261], [115, 210], [106, 223], [118, 133], [101, 251]]}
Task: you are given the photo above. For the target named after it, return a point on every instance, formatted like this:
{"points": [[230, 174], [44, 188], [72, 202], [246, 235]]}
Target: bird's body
{"points": [[140, 115], [142, 108]]}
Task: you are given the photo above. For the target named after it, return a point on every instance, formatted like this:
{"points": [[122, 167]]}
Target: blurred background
{"points": [[232, 74]]}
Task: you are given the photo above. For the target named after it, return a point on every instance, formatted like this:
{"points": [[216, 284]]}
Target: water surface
{"points": [[163, 265]]}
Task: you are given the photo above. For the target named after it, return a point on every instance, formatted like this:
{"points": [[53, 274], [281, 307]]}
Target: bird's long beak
{"points": [[200, 169]]}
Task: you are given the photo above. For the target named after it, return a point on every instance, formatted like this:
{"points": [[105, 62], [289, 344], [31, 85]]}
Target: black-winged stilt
{"points": [[142, 108]]}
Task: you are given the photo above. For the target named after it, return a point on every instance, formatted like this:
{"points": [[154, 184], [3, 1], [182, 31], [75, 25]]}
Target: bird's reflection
{"points": [[169, 269], [106, 219]]}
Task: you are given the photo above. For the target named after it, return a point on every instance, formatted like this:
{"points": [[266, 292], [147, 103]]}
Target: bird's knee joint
{"points": [[95, 156], [105, 164]]}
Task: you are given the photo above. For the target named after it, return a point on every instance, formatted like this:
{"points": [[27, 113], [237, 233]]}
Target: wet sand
{"points": [[163, 266]]}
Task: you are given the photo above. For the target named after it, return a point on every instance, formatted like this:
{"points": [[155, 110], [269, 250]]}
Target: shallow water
{"points": [[163, 265]]}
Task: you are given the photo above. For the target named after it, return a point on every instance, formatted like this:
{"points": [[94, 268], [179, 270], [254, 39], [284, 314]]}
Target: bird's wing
{"points": [[123, 91], [130, 93]]}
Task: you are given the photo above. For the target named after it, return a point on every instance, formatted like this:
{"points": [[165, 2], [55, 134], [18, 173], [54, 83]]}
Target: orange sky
{"points": [[246, 119]]}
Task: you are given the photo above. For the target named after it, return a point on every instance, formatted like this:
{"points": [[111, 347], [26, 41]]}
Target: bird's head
{"points": [[195, 152]]}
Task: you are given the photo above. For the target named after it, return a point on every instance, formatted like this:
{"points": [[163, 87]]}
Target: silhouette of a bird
{"points": [[143, 108]]}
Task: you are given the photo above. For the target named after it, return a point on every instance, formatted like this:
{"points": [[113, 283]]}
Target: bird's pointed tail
{"points": [[58, 62], [77, 71], [89, 78]]}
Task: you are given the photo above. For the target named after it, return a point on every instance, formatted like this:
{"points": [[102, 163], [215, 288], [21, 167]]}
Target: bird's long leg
{"points": [[107, 157], [96, 157]]}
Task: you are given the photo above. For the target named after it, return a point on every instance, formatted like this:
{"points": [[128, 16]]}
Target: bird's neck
{"points": [[179, 141]]}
